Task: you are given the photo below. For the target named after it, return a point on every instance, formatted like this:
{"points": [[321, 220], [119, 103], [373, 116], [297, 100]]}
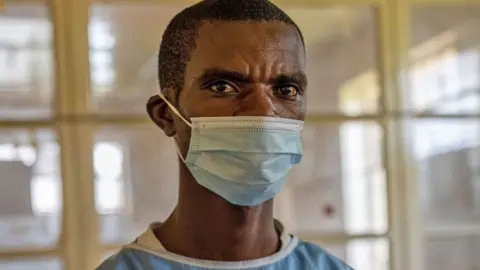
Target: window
{"points": [[102, 43], [23, 54], [109, 177], [447, 82], [364, 188], [45, 189]]}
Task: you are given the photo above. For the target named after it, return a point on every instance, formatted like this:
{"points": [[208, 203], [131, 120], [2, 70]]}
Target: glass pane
{"points": [[455, 253], [132, 190], [339, 186], [38, 264], [445, 58], [123, 56], [26, 61], [363, 254], [30, 188], [447, 159], [340, 79]]}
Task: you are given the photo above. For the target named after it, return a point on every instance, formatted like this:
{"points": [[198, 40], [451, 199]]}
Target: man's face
{"points": [[243, 69]]}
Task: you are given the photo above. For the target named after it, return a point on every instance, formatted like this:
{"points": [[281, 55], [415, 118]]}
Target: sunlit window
{"points": [[46, 194], [7, 152], [27, 154], [363, 188], [355, 188], [109, 188], [45, 183], [360, 93], [18, 32], [109, 196], [367, 255], [101, 36], [433, 138], [23, 52], [10, 152], [448, 82], [45, 189], [102, 43], [14, 68]]}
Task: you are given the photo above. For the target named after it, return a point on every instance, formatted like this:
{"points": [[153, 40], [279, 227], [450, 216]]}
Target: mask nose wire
{"points": [[174, 110]]}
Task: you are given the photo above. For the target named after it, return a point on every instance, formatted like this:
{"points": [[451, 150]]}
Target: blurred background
{"points": [[391, 174]]}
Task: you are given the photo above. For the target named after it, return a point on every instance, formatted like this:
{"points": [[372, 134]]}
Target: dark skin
{"points": [[237, 69]]}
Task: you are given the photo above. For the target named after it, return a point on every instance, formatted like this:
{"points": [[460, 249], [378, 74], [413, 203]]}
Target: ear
{"points": [[160, 114]]}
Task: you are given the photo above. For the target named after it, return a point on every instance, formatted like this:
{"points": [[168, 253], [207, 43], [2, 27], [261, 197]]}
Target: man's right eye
{"points": [[222, 87]]}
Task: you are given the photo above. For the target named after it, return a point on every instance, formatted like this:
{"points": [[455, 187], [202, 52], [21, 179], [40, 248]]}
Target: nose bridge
{"points": [[257, 102]]}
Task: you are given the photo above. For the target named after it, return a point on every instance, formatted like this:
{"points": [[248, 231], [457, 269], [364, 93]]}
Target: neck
{"points": [[205, 226]]}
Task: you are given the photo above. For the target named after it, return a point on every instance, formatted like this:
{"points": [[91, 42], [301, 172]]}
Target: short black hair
{"points": [[179, 38]]}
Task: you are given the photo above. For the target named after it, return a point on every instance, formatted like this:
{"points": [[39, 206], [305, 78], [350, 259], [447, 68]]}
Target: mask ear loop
{"points": [[175, 111], [177, 149]]}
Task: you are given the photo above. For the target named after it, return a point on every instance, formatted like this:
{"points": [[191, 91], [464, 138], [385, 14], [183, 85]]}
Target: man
{"points": [[233, 99]]}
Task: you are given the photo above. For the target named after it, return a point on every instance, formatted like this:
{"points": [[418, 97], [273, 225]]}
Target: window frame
{"points": [[79, 246]]}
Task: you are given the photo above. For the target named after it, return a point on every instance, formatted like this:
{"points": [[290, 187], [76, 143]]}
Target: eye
{"points": [[287, 91], [222, 87]]}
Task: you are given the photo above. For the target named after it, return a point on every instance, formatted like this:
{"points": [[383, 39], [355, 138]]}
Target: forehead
{"points": [[239, 45]]}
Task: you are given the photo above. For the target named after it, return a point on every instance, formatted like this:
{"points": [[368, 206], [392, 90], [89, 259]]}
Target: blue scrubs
{"points": [[147, 253]]}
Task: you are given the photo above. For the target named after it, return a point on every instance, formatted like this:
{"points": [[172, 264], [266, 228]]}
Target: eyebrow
{"points": [[210, 74]]}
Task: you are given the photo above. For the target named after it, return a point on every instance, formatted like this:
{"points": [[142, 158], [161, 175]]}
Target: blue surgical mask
{"points": [[245, 160]]}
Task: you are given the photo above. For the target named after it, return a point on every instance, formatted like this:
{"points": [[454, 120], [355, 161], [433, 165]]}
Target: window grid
{"points": [[72, 84]]}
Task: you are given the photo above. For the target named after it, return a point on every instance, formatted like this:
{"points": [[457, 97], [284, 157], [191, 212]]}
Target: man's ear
{"points": [[160, 114]]}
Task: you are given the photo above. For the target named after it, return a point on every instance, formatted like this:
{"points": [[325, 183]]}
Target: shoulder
{"points": [[319, 258], [122, 260], [131, 259]]}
